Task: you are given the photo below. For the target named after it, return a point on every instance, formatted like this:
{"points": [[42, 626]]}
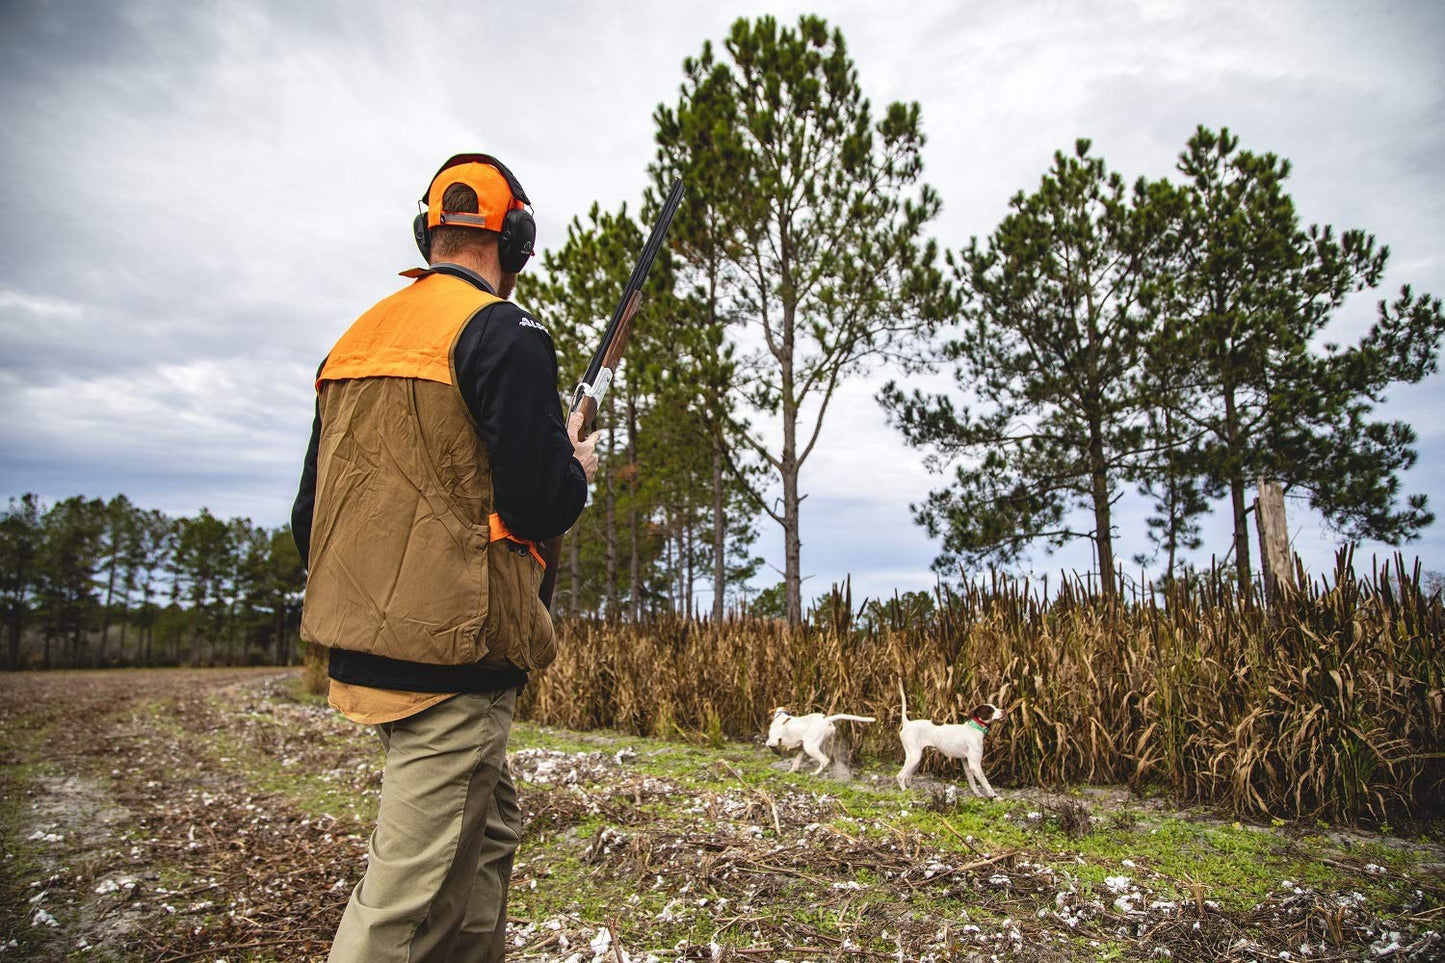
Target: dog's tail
{"points": [[844, 715], [904, 696]]}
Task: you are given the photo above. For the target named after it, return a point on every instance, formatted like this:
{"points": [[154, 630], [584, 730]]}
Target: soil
{"points": [[126, 847]]}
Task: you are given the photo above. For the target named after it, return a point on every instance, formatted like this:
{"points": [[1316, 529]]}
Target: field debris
{"points": [[179, 815]]}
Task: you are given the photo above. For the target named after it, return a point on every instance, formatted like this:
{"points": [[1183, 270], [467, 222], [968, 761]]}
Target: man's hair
{"points": [[448, 242]]}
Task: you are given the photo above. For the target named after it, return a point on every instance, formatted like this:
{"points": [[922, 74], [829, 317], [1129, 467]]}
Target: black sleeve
{"points": [[305, 504], [507, 372]]}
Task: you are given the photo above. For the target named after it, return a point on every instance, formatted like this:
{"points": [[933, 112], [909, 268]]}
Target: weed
{"points": [[1324, 707], [1073, 818]]}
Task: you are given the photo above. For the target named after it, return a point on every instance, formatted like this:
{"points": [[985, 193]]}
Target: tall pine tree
{"points": [[698, 142], [821, 226], [1251, 297], [1055, 324]]}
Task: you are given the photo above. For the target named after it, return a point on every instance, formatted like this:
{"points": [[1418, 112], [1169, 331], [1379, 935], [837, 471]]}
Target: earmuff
{"points": [[516, 232], [518, 240]]}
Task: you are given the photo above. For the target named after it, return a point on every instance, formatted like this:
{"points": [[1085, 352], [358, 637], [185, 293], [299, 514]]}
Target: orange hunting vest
{"points": [[406, 559]]}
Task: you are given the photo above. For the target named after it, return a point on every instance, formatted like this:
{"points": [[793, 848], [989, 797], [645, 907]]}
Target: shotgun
{"points": [[587, 395]]}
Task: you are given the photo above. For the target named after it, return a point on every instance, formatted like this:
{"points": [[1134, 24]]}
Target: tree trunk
{"points": [[1241, 535], [574, 575], [147, 632], [1103, 534], [687, 558], [1276, 559], [610, 505], [198, 615], [1173, 550], [671, 569], [634, 565], [1236, 493], [792, 543], [634, 569], [293, 632], [1177, 524], [17, 619], [719, 535], [105, 613], [679, 590]]}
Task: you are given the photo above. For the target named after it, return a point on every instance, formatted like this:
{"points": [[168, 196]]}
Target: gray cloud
{"points": [[199, 196]]}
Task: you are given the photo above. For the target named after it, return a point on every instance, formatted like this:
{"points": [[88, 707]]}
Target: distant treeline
{"points": [[88, 583]]}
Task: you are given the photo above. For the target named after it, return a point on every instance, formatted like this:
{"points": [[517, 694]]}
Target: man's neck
{"points": [[488, 268], [457, 270]]}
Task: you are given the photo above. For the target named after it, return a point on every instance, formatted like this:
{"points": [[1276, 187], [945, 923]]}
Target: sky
{"points": [[200, 196]]}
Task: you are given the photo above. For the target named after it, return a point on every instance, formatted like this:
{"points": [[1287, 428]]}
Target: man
{"points": [[438, 458]]}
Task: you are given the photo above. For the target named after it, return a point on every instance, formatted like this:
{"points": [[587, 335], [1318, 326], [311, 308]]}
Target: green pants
{"points": [[438, 864]]}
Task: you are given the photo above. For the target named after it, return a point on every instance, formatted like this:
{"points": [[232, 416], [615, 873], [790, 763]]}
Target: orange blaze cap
{"points": [[494, 197]]}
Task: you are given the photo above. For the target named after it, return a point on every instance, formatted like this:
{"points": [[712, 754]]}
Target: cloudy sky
{"points": [[199, 196]]}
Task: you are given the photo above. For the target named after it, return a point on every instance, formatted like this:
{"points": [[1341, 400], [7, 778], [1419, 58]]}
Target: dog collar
{"points": [[981, 727]]}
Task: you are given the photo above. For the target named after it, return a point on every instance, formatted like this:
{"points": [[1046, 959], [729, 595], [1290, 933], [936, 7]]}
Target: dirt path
{"points": [[121, 841]]}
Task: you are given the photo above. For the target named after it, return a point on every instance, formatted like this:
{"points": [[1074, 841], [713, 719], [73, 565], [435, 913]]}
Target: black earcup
{"points": [[422, 236], [517, 241]]}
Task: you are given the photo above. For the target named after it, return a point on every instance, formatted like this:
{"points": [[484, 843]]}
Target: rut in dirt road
{"points": [[141, 843]]}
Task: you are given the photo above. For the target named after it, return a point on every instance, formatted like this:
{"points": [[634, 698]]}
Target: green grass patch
{"points": [[1177, 857], [21, 861]]}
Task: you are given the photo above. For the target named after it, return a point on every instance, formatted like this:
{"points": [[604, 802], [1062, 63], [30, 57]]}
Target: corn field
{"points": [[1326, 706]]}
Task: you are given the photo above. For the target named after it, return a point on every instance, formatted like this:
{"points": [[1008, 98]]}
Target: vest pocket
{"points": [[544, 633], [519, 630]]}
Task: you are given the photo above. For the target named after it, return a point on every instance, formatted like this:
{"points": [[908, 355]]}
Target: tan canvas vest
{"points": [[402, 560]]}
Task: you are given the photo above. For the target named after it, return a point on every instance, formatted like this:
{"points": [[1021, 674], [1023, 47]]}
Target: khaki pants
{"points": [[438, 864]]}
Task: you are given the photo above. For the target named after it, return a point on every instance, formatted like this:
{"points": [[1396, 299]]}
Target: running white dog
{"points": [[954, 741], [810, 732]]}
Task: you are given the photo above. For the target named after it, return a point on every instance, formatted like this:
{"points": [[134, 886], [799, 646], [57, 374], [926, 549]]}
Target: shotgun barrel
{"points": [[588, 394]]}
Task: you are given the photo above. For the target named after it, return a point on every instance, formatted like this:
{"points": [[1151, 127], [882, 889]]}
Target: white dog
{"points": [[954, 741], [810, 732]]}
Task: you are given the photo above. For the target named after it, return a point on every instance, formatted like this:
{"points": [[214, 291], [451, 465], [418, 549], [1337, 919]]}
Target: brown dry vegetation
{"points": [[1329, 706]]}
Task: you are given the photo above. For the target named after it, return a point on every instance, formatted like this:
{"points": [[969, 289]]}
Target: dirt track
{"points": [[116, 809]]}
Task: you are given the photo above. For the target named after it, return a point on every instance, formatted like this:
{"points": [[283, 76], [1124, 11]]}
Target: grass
{"points": [[24, 867], [1187, 857], [1247, 859], [23, 861]]}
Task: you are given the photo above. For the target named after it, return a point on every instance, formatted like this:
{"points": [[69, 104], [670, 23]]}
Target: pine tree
{"points": [[576, 293], [698, 142], [1055, 327], [1252, 295], [1170, 478], [155, 550], [820, 224], [21, 535], [69, 559], [202, 558], [118, 534]]}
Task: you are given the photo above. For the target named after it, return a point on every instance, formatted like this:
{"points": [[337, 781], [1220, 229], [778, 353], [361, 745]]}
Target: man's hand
{"points": [[585, 451]]}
